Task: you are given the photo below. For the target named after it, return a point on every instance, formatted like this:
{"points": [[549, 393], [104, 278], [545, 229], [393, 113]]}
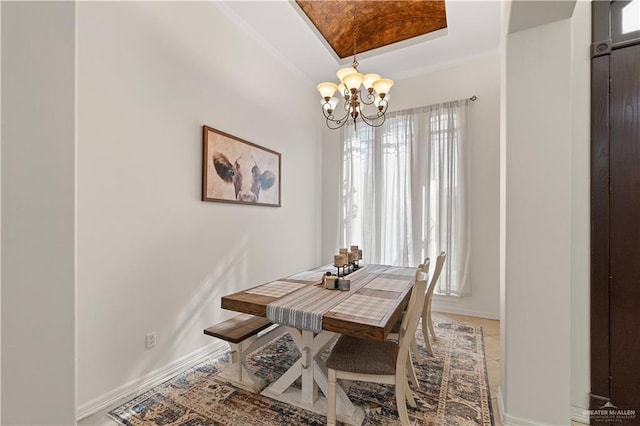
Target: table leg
{"points": [[309, 386], [313, 374]]}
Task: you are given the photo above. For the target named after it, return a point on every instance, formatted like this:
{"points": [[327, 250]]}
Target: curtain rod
{"points": [[427, 107]]}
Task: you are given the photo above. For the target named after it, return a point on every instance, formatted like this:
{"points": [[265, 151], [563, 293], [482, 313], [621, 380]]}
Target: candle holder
{"points": [[344, 269], [330, 281], [347, 261], [344, 285]]}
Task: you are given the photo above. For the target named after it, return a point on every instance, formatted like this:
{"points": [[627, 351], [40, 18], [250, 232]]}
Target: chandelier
{"points": [[371, 107]]}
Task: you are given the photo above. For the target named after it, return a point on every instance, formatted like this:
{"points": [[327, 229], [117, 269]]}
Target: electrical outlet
{"points": [[150, 340]]}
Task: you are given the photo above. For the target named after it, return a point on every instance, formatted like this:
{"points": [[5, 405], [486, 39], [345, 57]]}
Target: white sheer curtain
{"points": [[405, 190]]}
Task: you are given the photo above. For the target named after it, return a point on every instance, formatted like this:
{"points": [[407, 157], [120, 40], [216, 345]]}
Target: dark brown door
{"points": [[624, 213], [615, 213]]}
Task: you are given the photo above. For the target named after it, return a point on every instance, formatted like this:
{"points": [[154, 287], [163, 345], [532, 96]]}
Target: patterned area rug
{"points": [[454, 390]]}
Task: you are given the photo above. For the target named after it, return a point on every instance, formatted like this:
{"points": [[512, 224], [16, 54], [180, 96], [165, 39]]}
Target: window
{"points": [[404, 191]]}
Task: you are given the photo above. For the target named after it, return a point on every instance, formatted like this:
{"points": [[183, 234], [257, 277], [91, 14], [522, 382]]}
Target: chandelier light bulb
{"points": [[369, 79], [327, 90], [353, 81], [330, 105], [382, 86], [342, 72]]}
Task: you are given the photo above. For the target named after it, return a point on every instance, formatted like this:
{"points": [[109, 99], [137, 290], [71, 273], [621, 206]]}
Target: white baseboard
{"points": [[509, 420], [500, 405], [578, 415], [138, 386], [455, 308]]}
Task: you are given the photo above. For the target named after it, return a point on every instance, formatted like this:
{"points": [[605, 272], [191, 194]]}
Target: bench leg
{"points": [[237, 372]]}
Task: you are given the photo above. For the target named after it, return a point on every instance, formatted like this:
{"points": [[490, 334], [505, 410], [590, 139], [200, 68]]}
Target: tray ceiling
{"points": [[379, 23]]}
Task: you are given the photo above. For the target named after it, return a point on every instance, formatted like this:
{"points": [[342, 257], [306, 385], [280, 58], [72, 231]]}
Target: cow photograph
{"points": [[237, 171]]}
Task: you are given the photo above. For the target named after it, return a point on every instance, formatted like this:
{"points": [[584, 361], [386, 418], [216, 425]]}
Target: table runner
{"points": [[276, 288], [304, 308]]}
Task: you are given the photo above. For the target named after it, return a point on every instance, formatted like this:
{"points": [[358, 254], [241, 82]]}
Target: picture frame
{"points": [[238, 171]]}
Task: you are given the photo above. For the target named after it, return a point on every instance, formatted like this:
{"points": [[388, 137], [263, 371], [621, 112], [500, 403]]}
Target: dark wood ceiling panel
{"points": [[379, 23]]}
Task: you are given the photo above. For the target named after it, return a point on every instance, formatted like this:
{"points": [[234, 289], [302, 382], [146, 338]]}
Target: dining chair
{"points": [[393, 335], [427, 322], [358, 359], [414, 346]]}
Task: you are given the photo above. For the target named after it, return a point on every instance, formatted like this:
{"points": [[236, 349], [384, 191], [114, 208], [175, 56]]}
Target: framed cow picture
{"points": [[238, 171]]}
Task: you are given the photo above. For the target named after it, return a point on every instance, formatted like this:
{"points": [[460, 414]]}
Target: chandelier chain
{"points": [[355, 35]]}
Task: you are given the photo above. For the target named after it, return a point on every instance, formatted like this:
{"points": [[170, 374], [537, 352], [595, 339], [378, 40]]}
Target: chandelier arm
{"points": [[370, 96], [330, 118], [346, 105], [378, 119], [337, 125], [372, 121], [372, 116], [379, 112]]}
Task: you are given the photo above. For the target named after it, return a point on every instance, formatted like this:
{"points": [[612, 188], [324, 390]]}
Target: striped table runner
{"points": [[304, 308]]}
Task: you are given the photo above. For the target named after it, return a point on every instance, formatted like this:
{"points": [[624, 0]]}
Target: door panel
{"points": [[600, 230], [624, 210]]}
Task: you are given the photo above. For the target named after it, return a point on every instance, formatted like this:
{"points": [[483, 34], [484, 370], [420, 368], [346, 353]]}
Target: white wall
{"points": [[580, 210], [505, 12], [152, 256], [0, 212], [480, 77], [38, 178], [546, 220]]}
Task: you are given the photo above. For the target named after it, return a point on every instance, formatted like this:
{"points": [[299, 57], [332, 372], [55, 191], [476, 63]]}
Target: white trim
{"points": [[149, 380], [455, 308], [500, 405], [76, 55], [509, 420], [578, 414]]}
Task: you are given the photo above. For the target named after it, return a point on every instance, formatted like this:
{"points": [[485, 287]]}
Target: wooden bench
{"points": [[241, 332]]}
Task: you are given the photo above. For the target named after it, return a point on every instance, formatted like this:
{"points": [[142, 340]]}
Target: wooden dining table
{"points": [[315, 316]]}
